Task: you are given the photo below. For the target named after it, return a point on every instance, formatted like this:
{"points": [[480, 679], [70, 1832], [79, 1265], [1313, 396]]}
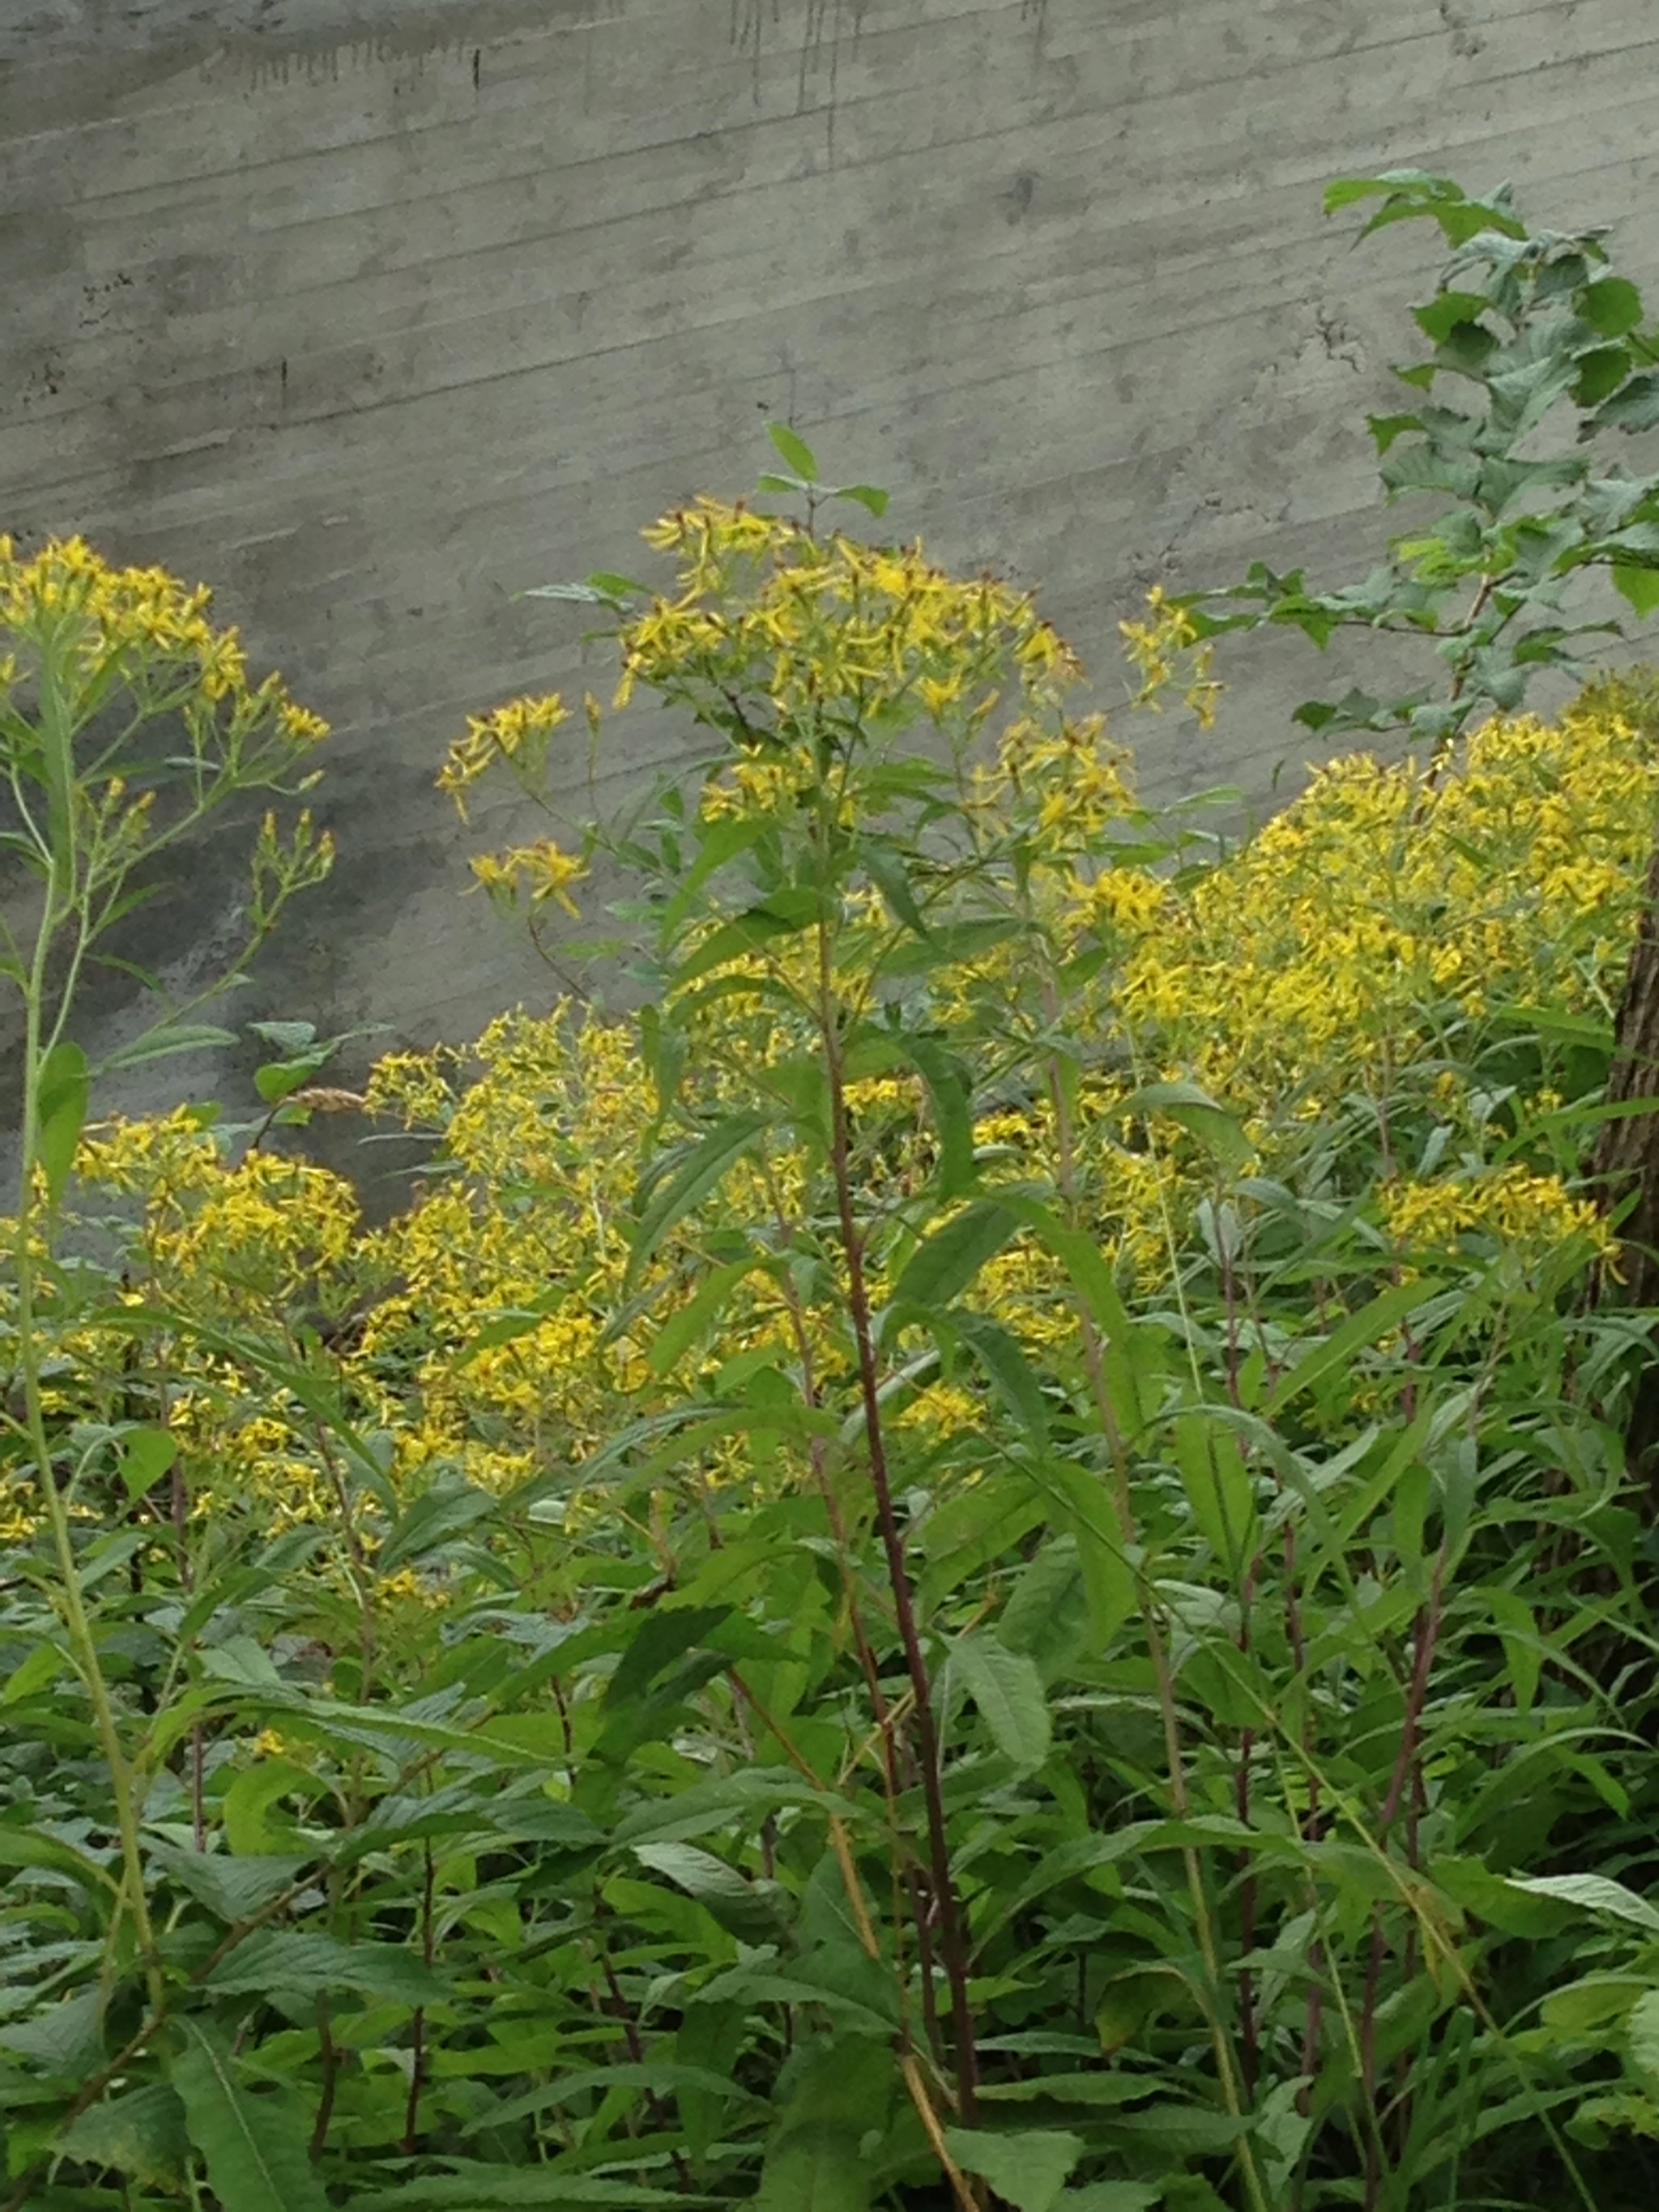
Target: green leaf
{"points": [[870, 496], [1642, 2029], [688, 1325], [1337, 1350], [28, 1847], [231, 1888], [1180, 2131], [140, 2134], [1446, 311], [741, 1908], [709, 1164], [64, 1087], [1217, 1486], [793, 450], [248, 1803], [1590, 1893], [42, 1665], [816, 2167], [1634, 408], [950, 1093], [1097, 2088], [439, 1513], [161, 1043], [145, 1456], [1196, 1111], [998, 1353], [1601, 374], [1008, 1691], [472, 2186], [65, 2037], [941, 1271], [287, 1037], [662, 2074], [886, 871], [1110, 2196], [1046, 1617], [1029, 2170], [1082, 1505], [1611, 306], [307, 1964], [254, 2148], [784, 914], [722, 840], [279, 1078], [1639, 586]]}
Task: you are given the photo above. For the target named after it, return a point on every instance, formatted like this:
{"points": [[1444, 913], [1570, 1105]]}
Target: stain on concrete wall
{"points": [[373, 312]]}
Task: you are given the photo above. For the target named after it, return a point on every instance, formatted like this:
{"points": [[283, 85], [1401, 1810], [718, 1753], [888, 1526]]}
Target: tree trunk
{"points": [[1625, 1161]]}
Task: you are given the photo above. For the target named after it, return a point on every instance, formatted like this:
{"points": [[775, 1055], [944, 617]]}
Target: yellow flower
{"points": [[541, 870]]}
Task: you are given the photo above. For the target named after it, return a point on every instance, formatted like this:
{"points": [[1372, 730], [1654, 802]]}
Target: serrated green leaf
{"points": [[1047, 1616], [1611, 306], [65, 2037], [141, 2134], [232, 1889], [253, 2146], [1636, 407], [307, 1964], [1029, 2169]]}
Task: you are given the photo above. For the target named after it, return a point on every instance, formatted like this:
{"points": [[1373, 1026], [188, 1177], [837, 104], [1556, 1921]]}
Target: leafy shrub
{"points": [[985, 1557]]}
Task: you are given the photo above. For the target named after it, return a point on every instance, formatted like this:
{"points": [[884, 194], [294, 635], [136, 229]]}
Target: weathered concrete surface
{"points": [[374, 311]]}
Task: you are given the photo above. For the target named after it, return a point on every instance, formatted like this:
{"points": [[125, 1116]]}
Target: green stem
{"points": [[82, 1641]]}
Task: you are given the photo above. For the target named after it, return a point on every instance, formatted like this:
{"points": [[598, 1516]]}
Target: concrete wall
{"points": [[374, 311]]}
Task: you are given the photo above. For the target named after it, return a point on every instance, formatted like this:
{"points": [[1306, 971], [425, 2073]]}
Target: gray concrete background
{"points": [[372, 313]]}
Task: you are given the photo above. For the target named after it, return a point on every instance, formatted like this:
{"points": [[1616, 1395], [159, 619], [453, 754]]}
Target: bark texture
{"points": [[1626, 1164]]}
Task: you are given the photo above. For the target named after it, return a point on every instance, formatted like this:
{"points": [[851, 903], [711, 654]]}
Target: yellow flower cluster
{"points": [[494, 1328], [816, 623], [1385, 902], [517, 733], [1531, 1213], [139, 626], [1166, 651], [541, 870]]}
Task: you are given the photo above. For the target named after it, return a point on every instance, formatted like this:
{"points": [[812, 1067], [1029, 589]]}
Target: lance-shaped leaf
{"points": [[709, 1164], [253, 2146]]}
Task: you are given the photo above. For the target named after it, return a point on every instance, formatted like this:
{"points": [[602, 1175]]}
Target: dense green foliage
{"points": [[985, 1559]]}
